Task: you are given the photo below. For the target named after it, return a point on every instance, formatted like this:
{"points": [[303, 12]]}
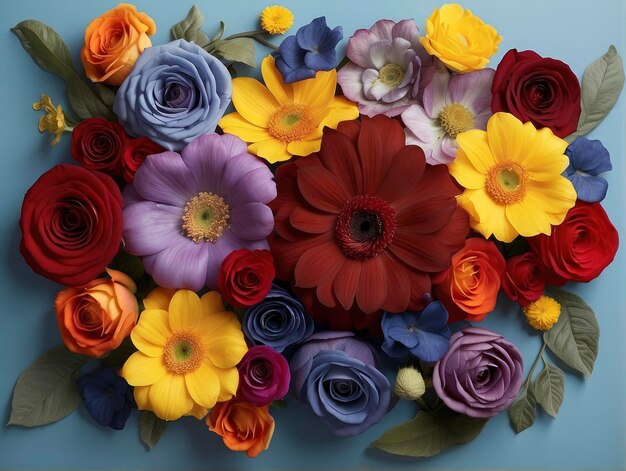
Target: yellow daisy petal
{"points": [[142, 370], [212, 302], [226, 350], [476, 147], [141, 397], [508, 138], [526, 220], [218, 323], [169, 397], [465, 173], [229, 382], [273, 79], [151, 332], [198, 412], [340, 109], [185, 310], [158, 298], [304, 147], [203, 386], [237, 125], [272, 150], [557, 196], [316, 92], [253, 101]]}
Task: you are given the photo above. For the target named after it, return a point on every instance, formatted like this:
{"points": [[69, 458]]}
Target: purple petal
{"points": [[350, 80], [206, 157], [256, 185], [383, 29], [151, 227], [251, 221], [359, 46], [164, 178], [183, 265], [436, 95], [472, 90], [407, 29]]}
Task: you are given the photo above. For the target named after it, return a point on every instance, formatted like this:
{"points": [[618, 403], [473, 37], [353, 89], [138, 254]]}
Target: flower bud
{"points": [[409, 384]]}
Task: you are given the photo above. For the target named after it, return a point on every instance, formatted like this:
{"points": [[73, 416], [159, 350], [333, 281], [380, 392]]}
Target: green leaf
{"points": [[46, 391], [220, 32], [236, 50], [106, 94], [522, 411], [549, 388], [129, 264], [574, 338], [602, 84], [50, 53], [429, 433], [117, 358], [150, 428], [189, 28]]}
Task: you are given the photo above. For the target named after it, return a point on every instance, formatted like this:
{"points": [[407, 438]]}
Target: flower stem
{"points": [[245, 34], [532, 368], [265, 42]]}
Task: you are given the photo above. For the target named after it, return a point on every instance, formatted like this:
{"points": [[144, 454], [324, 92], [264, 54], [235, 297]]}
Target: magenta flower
{"points": [[388, 68], [263, 376], [185, 213], [451, 105]]}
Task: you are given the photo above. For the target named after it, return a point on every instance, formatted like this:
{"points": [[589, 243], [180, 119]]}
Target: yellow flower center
{"points": [[291, 123], [506, 183], [183, 353], [455, 119], [391, 75], [543, 313], [276, 20], [205, 217]]}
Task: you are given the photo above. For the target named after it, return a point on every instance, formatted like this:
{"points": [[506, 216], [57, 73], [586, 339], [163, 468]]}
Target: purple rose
{"points": [[336, 374], [263, 376], [480, 375]]}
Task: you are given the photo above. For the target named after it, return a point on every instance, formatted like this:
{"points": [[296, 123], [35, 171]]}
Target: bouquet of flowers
{"points": [[335, 237]]}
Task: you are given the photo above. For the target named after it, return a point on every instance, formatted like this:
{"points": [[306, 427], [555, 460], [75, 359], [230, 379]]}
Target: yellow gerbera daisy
{"points": [[512, 178], [276, 19], [188, 351], [279, 120]]}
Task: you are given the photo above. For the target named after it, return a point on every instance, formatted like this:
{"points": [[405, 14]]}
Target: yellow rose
{"points": [[113, 43], [461, 40]]}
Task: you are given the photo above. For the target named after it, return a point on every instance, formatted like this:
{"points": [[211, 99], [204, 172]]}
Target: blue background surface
{"points": [[589, 432]]}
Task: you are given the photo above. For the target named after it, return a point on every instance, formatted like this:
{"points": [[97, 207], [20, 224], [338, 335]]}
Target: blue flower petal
{"points": [[321, 60], [119, 418], [588, 188], [433, 318], [310, 36], [404, 336], [290, 53], [432, 346], [394, 349], [588, 156]]}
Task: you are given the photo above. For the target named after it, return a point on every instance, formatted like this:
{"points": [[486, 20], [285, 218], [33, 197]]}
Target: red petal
{"points": [[420, 285], [346, 282], [436, 182], [350, 129], [287, 253], [325, 293], [339, 156], [318, 264], [379, 140], [372, 290], [312, 222], [405, 171], [398, 284], [426, 216], [322, 189], [422, 252]]}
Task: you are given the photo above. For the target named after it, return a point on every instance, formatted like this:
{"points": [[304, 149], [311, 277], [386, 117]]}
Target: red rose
{"points": [[71, 224], [246, 277], [98, 144], [469, 288], [581, 247], [523, 279], [135, 153], [538, 89]]}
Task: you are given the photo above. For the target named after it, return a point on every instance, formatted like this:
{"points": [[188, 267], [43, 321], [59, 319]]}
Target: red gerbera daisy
{"points": [[365, 221]]}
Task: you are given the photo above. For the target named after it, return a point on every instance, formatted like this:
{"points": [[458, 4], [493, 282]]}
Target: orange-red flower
{"points": [[365, 221], [469, 287], [95, 318], [242, 426]]}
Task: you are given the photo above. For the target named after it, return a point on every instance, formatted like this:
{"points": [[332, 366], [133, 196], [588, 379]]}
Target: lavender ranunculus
{"points": [[175, 93], [263, 376], [388, 68], [481, 374], [587, 160], [311, 49], [452, 105], [278, 321], [336, 374], [424, 334], [185, 213]]}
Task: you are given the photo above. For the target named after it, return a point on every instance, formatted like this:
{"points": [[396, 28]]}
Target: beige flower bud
{"points": [[409, 384]]}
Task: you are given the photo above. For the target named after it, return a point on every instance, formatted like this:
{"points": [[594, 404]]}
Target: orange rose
{"points": [[95, 318], [242, 426], [114, 41], [469, 288]]}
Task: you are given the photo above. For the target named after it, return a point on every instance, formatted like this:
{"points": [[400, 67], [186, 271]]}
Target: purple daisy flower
{"points": [[185, 213], [452, 105], [388, 68]]}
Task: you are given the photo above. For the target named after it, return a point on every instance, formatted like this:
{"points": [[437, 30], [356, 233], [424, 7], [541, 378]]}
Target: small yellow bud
{"points": [[53, 121], [543, 313], [276, 20], [409, 384]]}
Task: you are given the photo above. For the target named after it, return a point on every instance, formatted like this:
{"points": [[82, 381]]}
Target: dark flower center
{"points": [[365, 227], [177, 95], [260, 372]]}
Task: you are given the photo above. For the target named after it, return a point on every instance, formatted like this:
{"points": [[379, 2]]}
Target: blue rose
{"points": [[424, 334], [311, 49], [278, 321], [107, 397], [335, 374], [175, 93], [587, 160]]}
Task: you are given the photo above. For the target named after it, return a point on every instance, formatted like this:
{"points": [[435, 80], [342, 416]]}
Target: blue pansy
{"points": [[424, 334], [588, 159], [107, 396], [311, 49]]}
